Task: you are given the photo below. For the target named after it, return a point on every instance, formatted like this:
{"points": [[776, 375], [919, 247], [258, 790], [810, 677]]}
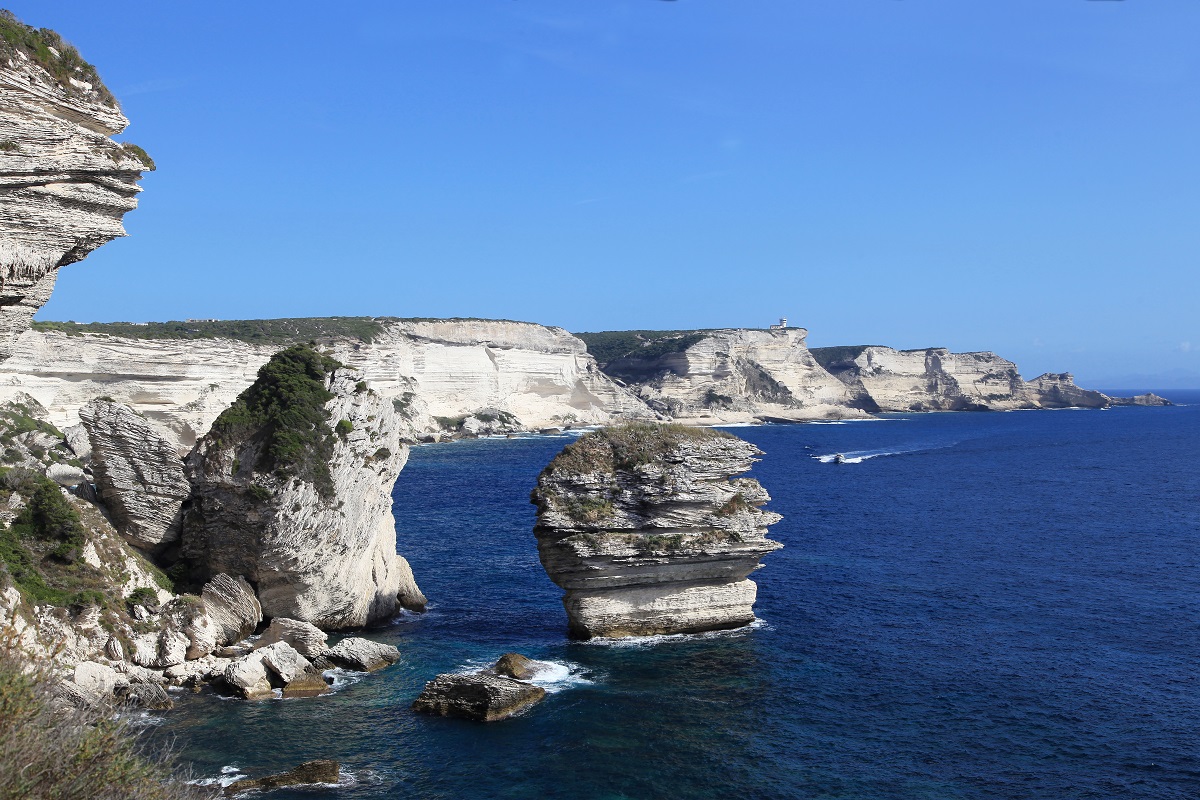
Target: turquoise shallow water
{"points": [[984, 606]]}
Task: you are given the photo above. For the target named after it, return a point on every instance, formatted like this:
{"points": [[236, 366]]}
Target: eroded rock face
{"points": [[308, 640], [316, 538], [1058, 390], [233, 608], [64, 183], [649, 532], [734, 376], [139, 476], [362, 655]]}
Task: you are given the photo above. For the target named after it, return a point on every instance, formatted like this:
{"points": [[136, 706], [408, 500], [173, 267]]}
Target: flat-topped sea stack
{"points": [[649, 531]]}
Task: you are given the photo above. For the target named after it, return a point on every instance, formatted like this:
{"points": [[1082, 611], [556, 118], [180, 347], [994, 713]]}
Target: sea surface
{"points": [[992, 605]]}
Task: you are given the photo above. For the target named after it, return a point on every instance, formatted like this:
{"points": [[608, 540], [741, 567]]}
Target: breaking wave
{"points": [[674, 638]]}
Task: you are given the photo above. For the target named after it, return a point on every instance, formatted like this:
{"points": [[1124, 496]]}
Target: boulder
{"points": [[283, 660], [194, 673], [362, 655], [309, 773], [481, 696], [308, 640], [97, 680], [139, 475], [248, 677], [65, 474], [165, 648], [233, 608], [515, 665], [308, 683]]}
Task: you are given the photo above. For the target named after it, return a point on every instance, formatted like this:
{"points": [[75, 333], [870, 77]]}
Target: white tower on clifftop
{"points": [[782, 324]]}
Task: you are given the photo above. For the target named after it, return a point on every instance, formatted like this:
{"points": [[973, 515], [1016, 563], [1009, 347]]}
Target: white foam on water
{"points": [[339, 678], [675, 638], [141, 719], [229, 774], [554, 676], [859, 456]]}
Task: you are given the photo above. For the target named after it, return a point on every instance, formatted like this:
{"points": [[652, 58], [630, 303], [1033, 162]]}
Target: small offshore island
{"points": [[199, 505]]}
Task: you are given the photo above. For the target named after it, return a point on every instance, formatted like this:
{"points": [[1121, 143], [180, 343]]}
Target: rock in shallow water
{"points": [[648, 531], [362, 655], [308, 640], [481, 696], [322, 771], [515, 665]]}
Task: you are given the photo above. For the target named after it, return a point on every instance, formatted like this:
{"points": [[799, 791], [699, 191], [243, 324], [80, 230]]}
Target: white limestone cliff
{"points": [[64, 183], [315, 553], [540, 375], [736, 375]]}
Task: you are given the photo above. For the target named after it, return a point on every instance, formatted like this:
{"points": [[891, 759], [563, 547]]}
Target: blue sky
{"points": [[1014, 175]]}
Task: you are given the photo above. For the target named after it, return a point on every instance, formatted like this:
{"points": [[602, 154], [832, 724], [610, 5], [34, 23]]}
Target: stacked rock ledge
{"points": [[649, 530]]}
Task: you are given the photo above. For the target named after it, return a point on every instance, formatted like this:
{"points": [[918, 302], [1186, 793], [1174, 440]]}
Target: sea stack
{"points": [[292, 490], [649, 531]]}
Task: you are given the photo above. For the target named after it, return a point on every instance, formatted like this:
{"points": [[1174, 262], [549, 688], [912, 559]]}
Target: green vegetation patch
{"points": [[41, 549], [138, 154], [40, 45], [626, 447], [608, 346], [284, 412], [255, 331]]}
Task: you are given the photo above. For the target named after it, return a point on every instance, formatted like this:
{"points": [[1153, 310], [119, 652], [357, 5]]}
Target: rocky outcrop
{"points": [[726, 376], [649, 532], [1148, 399], [437, 373], [292, 489], [1058, 390], [64, 183], [139, 476], [308, 640], [233, 608], [479, 696], [310, 773]]}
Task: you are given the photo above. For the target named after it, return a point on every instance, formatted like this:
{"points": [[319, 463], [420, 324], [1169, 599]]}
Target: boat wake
{"points": [[859, 456]]}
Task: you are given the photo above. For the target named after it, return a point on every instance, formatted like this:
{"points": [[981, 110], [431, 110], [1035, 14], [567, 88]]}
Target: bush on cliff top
{"points": [[284, 413], [608, 346], [46, 754], [254, 331], [37, 43]]}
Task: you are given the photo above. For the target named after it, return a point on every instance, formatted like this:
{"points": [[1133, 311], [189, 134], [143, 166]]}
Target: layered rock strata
{"points": [[445, 376], [488, 695], [935, 379], [724, 376], [139, 476], [649, 531], [314, 535], [64, 183]]}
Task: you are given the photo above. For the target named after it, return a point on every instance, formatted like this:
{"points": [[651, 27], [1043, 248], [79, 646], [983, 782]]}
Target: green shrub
{"points": [[733, 505], [9, 146], [382, 453], [360, 387], [284, 412], [143, 596], [46, 754], [40, 44], [260, 493], [138, 154], [344, 428]]}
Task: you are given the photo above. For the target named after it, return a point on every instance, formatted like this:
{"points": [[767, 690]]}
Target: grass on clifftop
{"points": [[608, 346], [284, 411], [624, 447], [37, 43], [254, 331]]}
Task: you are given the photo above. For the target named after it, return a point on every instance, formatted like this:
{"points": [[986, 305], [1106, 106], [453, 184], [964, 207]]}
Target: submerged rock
{"points": [[322, 771], [292, 489], [648, 531], [481, 696], [138, 473]]}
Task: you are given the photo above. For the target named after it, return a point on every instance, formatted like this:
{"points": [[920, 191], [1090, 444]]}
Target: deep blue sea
{"points": [[993, 605]]}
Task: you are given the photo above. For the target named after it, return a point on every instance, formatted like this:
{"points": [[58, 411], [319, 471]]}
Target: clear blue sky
{"points": [[1014, 175]]}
